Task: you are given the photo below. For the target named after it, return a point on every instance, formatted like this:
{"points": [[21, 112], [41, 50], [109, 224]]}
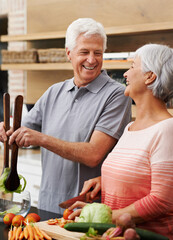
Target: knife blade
{"points": [[85, 197]]}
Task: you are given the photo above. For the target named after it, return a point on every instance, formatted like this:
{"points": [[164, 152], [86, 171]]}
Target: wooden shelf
{"points": [[117, 30], [62, 66], [139, 28], [35, 36]]}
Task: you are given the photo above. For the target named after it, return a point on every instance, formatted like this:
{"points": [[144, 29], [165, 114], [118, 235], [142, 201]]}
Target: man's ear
{"points": [[68, 54], [151, 77]]}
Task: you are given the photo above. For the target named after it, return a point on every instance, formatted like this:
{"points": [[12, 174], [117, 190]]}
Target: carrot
{"points": [[14, 233], [25, 232], [21, 235], [10, 234], [45, 235], [36, 237], [30, 231], [18, 231], [38, 232]]}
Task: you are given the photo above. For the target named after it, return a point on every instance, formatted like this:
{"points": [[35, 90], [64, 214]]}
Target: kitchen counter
{"points": [[43, 214]]}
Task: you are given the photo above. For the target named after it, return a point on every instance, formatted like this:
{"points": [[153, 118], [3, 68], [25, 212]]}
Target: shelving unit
{"points": [[62, 66], [110, 31]]}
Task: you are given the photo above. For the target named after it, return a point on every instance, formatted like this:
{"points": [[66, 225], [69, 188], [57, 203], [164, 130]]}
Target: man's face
{"points": [[86, 59]]}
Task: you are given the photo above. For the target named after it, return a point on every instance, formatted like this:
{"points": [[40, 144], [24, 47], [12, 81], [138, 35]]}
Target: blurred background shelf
{"points": [[62, 66]]}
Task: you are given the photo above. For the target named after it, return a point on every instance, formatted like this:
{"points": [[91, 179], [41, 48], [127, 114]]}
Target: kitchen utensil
{"points": [[59, 233], [6, 107], [83, 198], [12, 181]]}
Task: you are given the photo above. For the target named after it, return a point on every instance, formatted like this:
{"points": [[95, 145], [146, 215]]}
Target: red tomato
{"points": [[52, 221], [29, 219], [8, 218], [35, 216], [66, 213], [18, 220]]}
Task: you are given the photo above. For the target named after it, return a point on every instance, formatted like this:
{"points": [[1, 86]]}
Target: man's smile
{"points": [[89, 68]]}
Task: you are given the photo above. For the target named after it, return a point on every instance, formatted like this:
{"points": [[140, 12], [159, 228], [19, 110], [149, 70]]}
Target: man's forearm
{"points": [[82, 152]]}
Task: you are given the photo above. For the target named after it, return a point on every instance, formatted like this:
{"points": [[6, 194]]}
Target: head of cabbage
{"points": [[96, 212]]}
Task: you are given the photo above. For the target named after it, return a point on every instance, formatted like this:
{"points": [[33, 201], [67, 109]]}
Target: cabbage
{"points": [[3, 178], [96, 212]]}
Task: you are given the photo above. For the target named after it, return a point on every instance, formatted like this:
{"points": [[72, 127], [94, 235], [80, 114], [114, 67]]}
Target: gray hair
{"points": [[158, 59], [88, 27]]}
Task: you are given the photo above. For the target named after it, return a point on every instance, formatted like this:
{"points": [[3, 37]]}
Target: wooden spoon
{"points": [[13, 181], [6, 106]]}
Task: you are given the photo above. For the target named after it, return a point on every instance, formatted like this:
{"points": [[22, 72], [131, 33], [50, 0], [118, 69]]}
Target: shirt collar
{"points": [[98, 83], [95, 85]]}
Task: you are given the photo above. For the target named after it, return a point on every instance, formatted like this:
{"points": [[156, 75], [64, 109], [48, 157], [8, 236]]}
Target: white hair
{"points": [[86, 26], [158, 59]]}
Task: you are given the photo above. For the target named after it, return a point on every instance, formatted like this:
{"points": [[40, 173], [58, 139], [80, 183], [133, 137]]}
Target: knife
{"points": [[85, 197]]}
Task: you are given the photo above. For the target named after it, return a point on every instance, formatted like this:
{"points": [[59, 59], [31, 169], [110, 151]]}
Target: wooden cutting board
{"points": [[57, 232]]}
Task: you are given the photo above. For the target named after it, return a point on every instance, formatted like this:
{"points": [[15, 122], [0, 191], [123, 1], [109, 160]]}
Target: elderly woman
{"points": [[137, 176]]}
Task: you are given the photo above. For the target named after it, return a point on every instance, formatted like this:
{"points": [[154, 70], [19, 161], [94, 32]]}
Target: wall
{"points": [[16, 12], [56, 15]]}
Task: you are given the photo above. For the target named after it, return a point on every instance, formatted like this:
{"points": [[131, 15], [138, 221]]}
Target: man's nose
{"points": [[91, 58]]}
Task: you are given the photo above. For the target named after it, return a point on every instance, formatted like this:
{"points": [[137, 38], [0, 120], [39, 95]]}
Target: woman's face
{"points": [[135, 79]]}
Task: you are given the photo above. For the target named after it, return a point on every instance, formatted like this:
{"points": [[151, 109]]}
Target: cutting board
{"points": [[57, 232]]}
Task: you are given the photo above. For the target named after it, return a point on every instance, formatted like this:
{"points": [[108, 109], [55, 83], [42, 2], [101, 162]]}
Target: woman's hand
{"points": [[77, 204], [126, 223], [95, 184]]}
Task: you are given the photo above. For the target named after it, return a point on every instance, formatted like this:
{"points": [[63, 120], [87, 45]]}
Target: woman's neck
{"points": [[149, 112]]}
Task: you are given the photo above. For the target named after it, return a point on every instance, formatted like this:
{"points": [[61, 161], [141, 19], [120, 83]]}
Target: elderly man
{"points": [[76, 122]]}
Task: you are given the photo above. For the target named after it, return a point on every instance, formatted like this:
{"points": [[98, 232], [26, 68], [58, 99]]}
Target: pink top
{"points": [[139, 170]]}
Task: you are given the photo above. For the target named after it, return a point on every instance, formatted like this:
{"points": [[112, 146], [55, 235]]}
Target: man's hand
{"points": [[3, 134], [24, 137]]}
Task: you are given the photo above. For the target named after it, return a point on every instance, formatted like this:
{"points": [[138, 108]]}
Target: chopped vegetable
{"points": [[96, 212], [3, 178], [91, 233], [66, 213]]}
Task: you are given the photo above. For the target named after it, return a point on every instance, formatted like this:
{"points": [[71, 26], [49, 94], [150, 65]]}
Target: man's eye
{"points": [[98, 54], [84, 52]]}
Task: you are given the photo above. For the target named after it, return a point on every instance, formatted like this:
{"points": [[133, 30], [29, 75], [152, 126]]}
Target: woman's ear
{"points": [[151, 77], [68, 54]]}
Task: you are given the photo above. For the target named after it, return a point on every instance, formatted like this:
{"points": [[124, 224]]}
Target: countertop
{"points": [[43, 214]]}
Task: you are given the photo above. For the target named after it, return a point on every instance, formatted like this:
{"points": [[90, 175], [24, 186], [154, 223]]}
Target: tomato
{"points": [[35, 216], [18, 220], [29, 219], [8, 218], [66, 213], [52, 221]]}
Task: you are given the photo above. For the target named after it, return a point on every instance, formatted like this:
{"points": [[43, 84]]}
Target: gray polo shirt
{"points": [[72, 114]]}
